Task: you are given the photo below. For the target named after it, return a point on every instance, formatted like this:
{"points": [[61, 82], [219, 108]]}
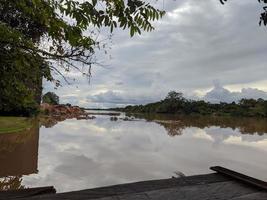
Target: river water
{"points": [[80, 154]]}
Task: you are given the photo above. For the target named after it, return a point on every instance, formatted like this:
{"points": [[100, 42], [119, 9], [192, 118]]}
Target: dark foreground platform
{"points": [[219, 186]]}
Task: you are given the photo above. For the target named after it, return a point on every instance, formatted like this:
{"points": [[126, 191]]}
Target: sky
{"points": [[200, 48]]}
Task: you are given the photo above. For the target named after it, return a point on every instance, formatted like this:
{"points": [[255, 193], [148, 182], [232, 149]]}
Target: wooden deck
{"points": [[219, 186]]}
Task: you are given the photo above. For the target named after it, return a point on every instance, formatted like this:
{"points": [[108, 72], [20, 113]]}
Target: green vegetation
{"points": [[51, 98], [11, 183], [14, 124], [39, 38], [175, 103]]}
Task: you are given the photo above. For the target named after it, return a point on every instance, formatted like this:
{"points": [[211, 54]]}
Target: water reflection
{"points": [[49, 122], [11, 183], [243, 125], [173, 128], [79, 154], [18, 156]]}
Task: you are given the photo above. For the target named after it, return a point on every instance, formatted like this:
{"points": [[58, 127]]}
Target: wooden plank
{"points": [[240, 177], [253, 196], [218, 191], [13, 194], [204, 187], [137, 188]]}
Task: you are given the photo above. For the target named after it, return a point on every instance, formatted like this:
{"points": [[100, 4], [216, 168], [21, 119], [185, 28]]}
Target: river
{"points": [[80, 154]]}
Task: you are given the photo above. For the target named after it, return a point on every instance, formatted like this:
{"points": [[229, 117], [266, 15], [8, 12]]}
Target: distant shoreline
{"points": [[175, 103]]}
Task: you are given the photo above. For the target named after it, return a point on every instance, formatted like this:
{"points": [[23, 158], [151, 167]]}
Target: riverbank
{"points": [[14, 124], [52, 114], [48, 116], [65, 111]]}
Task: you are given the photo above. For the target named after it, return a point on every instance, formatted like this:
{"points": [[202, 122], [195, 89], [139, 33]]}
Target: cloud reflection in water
{"points": [[83, 154]]}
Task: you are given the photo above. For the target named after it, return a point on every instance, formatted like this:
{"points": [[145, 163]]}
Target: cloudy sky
{"points": [[197, 47]]}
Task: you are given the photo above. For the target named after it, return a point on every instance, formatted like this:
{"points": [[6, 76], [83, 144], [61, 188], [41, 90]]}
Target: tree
{"points": [[41, 37], [11, 183], [21, 72], [64, 24], [174, 96], [51, 98]]}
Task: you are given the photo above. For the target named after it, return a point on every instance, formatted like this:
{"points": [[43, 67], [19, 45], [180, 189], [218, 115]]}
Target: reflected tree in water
{"points": [[11, 183], [48, 122], [18, 156], [173, 128], [245, 125]]}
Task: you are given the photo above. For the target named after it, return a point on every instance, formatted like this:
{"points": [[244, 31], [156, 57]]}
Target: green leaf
{"points": [[132, 31]]}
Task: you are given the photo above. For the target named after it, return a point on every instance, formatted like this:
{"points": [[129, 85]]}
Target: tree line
{"points": [[175, 103]]}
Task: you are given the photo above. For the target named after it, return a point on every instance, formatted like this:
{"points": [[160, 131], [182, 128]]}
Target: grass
{"points": [[14, 124]]}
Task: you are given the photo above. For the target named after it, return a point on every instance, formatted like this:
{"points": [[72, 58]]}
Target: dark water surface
{"points": [[79, 154]]}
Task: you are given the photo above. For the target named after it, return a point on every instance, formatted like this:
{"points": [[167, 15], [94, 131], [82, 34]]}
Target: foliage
{"points": [[11, 183], [51, 98], [174, 103], [174, 96], [38, 37], [20, 83], [63, 25]]}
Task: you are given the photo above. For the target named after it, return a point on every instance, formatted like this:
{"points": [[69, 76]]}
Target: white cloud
{"points": [[195, 43], [120, 99], [220, 94]]}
